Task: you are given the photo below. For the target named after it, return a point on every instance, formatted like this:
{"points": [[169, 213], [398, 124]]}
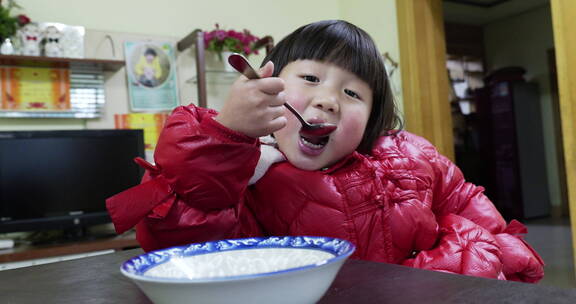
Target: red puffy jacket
{"points": [[403, 204]]}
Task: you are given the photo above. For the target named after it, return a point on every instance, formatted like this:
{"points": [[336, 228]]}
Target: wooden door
{"points": [[424, 73], [564, 22]]}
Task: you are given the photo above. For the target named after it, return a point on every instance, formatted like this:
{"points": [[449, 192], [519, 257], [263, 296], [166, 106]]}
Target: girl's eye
{"points": [[352, 94], [310, 78]]}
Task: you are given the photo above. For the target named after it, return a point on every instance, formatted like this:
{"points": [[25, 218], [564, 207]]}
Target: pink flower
{"points": [[220, 34], [234, 34], [207, 37], [219, 40]]}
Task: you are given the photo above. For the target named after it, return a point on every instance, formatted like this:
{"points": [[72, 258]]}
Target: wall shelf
{"points": [[86, 84], [57, 62], [216, 77]]}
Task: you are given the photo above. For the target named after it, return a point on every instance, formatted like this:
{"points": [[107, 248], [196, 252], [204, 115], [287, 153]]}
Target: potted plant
{"points": [[9, 24], [224, 42]]}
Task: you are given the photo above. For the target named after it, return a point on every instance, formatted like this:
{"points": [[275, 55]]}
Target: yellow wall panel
{"points": [[564, 22], [424, 75]]}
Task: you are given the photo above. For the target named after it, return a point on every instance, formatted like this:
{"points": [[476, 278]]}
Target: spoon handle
{"points": [[289, 107], [241, 65]]}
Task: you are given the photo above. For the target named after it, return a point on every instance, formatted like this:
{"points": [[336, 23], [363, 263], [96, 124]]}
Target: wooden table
{"points": [[98, 280]]}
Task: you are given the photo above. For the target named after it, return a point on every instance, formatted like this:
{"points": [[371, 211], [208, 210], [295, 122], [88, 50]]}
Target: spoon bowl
{"points": [[240, 63]]}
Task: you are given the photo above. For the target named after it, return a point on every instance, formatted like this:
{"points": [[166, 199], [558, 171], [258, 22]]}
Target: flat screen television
{"points": [[60, 179]]}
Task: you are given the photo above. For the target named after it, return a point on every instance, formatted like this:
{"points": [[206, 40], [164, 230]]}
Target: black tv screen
{"points": [[60, 179]]}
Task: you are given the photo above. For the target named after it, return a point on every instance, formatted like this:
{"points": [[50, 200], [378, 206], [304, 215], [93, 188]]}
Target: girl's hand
{"points": [[255, 107]]}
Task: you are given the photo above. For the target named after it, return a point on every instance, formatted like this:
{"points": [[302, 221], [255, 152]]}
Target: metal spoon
{"points": [[240, 63]]}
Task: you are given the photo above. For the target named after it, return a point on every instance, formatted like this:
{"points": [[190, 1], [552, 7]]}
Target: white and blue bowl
{"points": [[291, 269]]}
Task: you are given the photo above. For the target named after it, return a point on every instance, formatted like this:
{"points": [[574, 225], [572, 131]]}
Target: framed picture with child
{"points": [[151, 75]]}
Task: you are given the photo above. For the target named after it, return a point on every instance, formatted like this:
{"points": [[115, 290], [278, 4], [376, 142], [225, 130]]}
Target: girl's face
{"points": [[323, 93]]}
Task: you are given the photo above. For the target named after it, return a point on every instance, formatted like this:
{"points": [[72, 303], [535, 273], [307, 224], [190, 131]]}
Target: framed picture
{"points": [[151, 123], [151, 75], [34, 89]]}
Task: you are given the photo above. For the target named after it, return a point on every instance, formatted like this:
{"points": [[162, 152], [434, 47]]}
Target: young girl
{"points": [[389, 192], [148, 70]]}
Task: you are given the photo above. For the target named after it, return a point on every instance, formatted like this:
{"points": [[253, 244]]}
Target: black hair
{"points": [[150, 51], [351, 48]]}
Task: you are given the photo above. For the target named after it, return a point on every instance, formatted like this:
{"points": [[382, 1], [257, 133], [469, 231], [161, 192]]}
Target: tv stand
{"points": [[65, 236], [20, 253]]}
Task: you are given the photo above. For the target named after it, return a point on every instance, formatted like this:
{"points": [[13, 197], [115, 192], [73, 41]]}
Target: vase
{"points": [[218, 62], [227, 66]]}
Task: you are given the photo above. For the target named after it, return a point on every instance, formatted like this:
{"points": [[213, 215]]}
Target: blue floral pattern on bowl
{"points": [[235, 259]]}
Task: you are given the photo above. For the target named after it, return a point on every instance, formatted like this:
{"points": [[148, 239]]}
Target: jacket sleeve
{"points": [[473, 237], [194, 192]]}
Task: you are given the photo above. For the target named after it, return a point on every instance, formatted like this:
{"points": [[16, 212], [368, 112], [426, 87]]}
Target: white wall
{"points": [[174, 19], [524, 41], [177, 17]]}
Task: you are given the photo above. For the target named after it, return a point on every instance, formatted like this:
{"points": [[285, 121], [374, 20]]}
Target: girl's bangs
{"points": [[343, 47]]}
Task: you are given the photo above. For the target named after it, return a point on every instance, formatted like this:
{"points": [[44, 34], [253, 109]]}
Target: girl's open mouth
{"points": [[313, 145]]}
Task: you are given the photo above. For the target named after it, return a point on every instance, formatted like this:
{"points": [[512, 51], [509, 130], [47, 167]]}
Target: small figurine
{"points": [[6, 48], [52, 42], [30, 38]]}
